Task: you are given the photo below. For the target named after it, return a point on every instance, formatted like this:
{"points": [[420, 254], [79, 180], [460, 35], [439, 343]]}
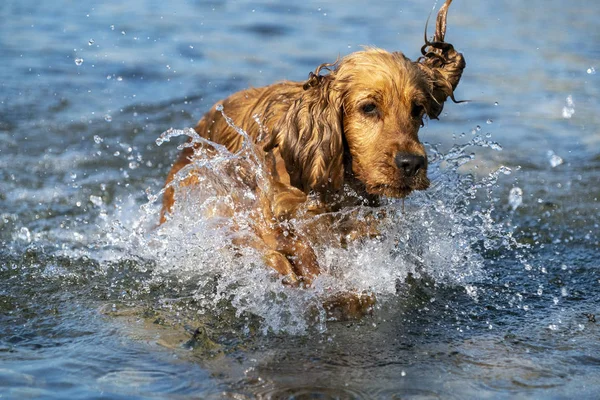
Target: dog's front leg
{"points": [[286, 251], [289, 255]]}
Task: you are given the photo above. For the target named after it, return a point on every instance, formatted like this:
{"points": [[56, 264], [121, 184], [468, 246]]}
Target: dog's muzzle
{"points": [[410, 164]]}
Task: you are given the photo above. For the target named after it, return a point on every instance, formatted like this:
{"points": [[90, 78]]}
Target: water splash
{"points": [[203, 254]]}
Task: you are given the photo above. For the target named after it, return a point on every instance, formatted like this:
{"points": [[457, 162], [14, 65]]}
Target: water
{"points": [[486, 283]]}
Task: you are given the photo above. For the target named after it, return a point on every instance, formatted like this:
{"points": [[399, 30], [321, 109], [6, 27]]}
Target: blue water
{"points": [[96, 304]]}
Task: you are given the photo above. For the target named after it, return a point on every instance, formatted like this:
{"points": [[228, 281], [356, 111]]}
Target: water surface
{"points": [[95, 303]]}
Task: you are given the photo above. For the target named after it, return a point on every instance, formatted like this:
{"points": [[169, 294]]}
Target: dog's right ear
{"points": [[442, 64], [309, 136]]}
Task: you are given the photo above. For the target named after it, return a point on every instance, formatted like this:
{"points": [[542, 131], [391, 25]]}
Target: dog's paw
{"points": [[349, 305], [280, 263]]}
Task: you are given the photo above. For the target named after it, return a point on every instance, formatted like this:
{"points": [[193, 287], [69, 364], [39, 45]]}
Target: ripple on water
{"points": [[283, 391], [140, 381]]}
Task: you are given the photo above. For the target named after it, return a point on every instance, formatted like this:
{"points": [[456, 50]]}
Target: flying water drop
{"points": [[554, 159], [515, 197], [569, 108]]}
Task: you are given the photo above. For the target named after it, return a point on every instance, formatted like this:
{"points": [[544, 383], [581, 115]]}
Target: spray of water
{"points": [[202, 254]]}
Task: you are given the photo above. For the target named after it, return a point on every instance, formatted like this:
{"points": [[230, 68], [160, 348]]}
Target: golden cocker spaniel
{"points": [[344, 137]]}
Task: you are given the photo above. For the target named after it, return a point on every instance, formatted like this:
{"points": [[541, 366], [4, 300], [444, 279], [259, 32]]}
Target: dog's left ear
{"points": [[442, 64], [310, 136]]}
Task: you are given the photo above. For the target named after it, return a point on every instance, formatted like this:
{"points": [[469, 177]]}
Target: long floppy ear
{"points": [[309, 136], [442, 64]]}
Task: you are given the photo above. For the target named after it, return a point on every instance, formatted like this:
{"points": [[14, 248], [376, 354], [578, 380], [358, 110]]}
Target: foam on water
{"points": [[202, 251]]}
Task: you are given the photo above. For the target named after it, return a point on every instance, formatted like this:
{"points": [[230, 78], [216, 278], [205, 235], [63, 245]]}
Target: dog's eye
{"points": [[369, 108], [417, 111]]}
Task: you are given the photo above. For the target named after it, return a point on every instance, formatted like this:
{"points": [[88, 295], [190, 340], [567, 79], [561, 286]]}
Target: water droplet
{"points": [[108, 118], [24, 234], [478, 128], [554, 159], [515, 199], [151, 196], [553, 327], [117, 153], [133, 165], [219, 107], [403, 373], [79, 61], [495, 146], [591, 70], [489, 121], [471, 291], [108, 77], [495, 103], [112, 27], [123, 33], [569, 108], [96, 200], [119, 78], [91, 42], [98, 139]]}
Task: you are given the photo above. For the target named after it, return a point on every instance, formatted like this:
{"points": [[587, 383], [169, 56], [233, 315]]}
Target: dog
{"points": [[346, 136]]}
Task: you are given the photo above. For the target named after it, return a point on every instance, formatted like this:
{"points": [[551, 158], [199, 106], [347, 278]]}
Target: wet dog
{"points": [[345, 137]]}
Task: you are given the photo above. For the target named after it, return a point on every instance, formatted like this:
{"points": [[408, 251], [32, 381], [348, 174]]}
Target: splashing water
{"points": [[203, 254]]}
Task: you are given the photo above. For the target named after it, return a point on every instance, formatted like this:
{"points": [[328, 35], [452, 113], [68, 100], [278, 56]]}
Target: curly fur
{"points": [[345, 125]]}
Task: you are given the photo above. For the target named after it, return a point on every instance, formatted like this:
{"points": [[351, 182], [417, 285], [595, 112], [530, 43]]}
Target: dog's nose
{"points": [[410, 164]]}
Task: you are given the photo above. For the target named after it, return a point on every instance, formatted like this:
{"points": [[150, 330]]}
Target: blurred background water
{"points": [[85, 89]]}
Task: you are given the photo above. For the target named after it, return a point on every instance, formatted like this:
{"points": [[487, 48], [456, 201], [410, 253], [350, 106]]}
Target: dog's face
{"points": [[385, 98], [372, 104]]}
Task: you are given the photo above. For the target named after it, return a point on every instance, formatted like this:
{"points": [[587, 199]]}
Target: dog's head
{"points": [[369, 107]]}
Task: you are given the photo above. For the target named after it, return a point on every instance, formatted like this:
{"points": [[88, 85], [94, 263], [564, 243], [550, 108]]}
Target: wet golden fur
{"points": [[342, 128]]}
